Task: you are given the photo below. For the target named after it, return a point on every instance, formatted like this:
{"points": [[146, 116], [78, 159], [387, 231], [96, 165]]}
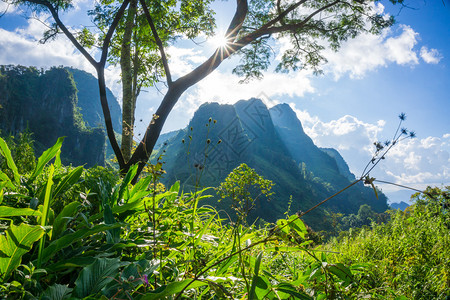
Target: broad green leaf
{"points": [[58, 159], [73, 262], [341, 271], [59, 225], [118, 192], [45, 210], [135, 205], [4, 150], [140, 188], [93, 278], [6, 211], [292, 291], [17, 241], [283, 225], [172, 289], [6, 181], [298, 226], [57, 292], [113, 235], [45, 158], [69, 239], [262, 287], [255, 276], [68, 181]]}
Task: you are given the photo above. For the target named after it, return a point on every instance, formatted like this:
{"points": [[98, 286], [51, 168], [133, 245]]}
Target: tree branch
{"points": [[99, 67], [145, 147], [69, 35], [158, 42]]}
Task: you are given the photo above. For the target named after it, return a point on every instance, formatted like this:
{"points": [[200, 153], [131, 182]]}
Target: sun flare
{"points": [[219, 40]]}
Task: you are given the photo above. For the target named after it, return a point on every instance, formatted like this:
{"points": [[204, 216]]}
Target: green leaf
{"points": [[57, 292], [93, 278], [17, 241], [6, 181], [255, 276], [118, 192], [45, 158], [6, 211], [69, 239], [45, 210], [59, 225], [341, 271], [172, 289], [4, 150], [73, 262], [68, 181], [58, 159], [297, 225], [292, 291], [113, 235]]}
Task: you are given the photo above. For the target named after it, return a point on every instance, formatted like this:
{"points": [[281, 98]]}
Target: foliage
{"points": [[409, 255], [244, 186], [22, 152], [129, 241]]}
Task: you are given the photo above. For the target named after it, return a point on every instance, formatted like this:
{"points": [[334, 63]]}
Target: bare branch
{"points": [[69, 35], [158, 42]]}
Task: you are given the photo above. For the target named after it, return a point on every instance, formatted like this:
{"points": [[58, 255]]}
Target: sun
{"points": [[219, 40]]}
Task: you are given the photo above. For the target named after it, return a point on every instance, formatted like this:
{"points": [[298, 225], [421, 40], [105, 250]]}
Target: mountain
{"points": [[402, 205], [89, 101], [47, 103], [274, 144], [343, 168]]}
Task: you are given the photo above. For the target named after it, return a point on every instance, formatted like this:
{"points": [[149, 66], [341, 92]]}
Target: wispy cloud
{"points": [[430, 56]]}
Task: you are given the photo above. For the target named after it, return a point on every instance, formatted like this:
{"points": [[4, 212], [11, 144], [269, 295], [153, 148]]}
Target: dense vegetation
{"points": [[85, 233]]}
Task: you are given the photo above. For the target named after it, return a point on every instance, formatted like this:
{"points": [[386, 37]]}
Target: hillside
{"points": [[53, 103], [276, 147]]}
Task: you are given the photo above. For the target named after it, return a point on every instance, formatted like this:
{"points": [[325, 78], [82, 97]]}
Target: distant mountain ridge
{"points": [[273, 143]]}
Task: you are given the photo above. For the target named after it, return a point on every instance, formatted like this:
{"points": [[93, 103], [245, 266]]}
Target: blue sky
{"points": [[365, 86]]}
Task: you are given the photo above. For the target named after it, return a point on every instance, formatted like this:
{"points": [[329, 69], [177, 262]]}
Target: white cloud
{"points": [[420, 162], [431, 56], [368, 52], [22, 47], [412, 162]]}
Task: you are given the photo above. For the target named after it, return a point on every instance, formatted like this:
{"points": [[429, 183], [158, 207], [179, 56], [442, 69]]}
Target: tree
{"points": [[310, 25], [136, 51], [243, 186]]}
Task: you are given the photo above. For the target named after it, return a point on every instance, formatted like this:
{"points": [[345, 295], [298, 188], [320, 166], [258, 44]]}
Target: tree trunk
{"points": [[128, 98]]}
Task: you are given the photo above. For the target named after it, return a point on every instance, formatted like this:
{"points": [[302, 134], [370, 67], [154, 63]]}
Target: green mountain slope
{"points": [[89, 101], [47, 103], [248, 134]]}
